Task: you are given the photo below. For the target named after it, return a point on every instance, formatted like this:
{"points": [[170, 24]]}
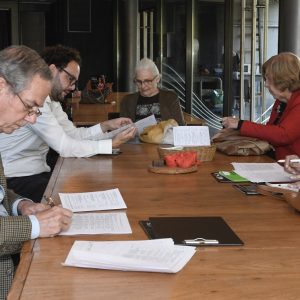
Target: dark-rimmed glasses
{"points": [[30, 109], [72, 79], [145, 82]]}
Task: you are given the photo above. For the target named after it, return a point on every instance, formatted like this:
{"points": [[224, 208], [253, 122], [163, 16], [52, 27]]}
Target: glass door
{"points": [[255, 39], [208, 61]]}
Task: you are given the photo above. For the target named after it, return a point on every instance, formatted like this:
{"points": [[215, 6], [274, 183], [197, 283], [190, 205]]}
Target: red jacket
{"points": [[285, 136]]}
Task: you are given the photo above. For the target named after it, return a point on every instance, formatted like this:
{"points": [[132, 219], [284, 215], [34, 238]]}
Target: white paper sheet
{"points": [[191, 136], [262, 172], [103, 200], [143, 123], [140, 125], [99, 223], [159, 255], [113, 133]]}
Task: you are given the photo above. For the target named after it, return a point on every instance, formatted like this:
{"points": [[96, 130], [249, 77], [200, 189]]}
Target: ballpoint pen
{"points": [[295, 160], [50, 201]]}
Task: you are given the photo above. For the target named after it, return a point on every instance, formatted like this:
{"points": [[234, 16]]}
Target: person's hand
{"points": [[53, 221], [124, 136], [295, 184], [26, 207], [293, 168], [230, 122], [114, 124]]}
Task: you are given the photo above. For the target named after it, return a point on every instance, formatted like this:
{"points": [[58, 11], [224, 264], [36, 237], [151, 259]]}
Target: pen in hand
{"points": [[49, 201], [295, 160]]}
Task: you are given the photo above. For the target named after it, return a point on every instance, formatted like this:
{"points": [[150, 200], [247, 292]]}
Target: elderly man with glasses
{"points": [[24, 152], [25, 82], [150, 99]]}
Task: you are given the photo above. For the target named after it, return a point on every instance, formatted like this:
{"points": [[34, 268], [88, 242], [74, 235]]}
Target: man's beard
{"points": [[56, 95], [57, 91]]}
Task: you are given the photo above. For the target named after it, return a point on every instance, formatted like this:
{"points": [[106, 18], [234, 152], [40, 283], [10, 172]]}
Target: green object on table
{"points": [[232, 176]]}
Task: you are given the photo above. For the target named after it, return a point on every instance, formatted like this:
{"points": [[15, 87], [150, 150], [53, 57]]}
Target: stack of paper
{"points": [[159, 255], [262, 172]]}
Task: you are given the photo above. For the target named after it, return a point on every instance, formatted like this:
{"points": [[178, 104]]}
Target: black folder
{"points": [[189, 228]]}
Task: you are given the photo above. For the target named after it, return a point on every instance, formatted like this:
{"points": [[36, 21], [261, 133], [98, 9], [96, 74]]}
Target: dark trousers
{"points": [[31, 187]]}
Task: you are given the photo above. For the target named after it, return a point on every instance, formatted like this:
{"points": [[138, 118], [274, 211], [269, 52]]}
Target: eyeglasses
{"points": [[30, 109], [72, 79], [145, 82]]}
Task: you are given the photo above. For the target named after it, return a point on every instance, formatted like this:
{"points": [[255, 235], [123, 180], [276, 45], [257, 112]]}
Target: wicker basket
{"points": [[204, 153]]}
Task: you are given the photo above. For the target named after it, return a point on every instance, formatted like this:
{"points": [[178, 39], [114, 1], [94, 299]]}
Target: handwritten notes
{"points": [[103, 200]]}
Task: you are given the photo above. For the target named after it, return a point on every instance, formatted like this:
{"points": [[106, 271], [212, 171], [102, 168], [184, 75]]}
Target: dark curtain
{"points": [[5, 28]]}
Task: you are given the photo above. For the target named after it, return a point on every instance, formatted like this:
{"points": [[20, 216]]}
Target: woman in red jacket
{"points": [[282, 78]]}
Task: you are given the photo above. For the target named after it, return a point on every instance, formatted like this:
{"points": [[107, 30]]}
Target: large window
{"points": [[187, 41]]}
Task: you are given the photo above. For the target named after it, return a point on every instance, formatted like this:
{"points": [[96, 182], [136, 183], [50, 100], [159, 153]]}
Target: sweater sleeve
{"points": [[14, 230], [284, 133], [58, 135]]}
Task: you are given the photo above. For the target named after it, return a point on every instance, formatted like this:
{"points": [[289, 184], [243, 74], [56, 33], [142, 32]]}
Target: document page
{"points": [[99, 223], [103, 200], [191, 136], [143, 123], [262, 172], [159, 255], [113, 133], [140, 125]]}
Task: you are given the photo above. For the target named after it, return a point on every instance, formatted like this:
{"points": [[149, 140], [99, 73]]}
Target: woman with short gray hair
{"points": [[150, 99]]}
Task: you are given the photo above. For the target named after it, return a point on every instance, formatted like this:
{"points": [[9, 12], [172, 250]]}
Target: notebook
{"points": [[186, 228]]}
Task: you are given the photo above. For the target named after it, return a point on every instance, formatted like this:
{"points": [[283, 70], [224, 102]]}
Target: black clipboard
{"points": [[187, 228]]}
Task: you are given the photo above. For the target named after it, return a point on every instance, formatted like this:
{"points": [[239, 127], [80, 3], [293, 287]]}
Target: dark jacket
{"points": [[168, 101]]}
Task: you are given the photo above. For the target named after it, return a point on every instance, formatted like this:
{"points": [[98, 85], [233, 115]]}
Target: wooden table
{"points": [[91, 114], [266, 267]]}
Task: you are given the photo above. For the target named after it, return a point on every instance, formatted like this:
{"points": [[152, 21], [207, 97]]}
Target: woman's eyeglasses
{"points": [[145, 82]]}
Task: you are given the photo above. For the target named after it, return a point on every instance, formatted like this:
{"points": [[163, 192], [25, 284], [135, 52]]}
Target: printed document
{"points": [[143, 123], [262, 172], [159, 255], [191, 136], [103, 200], [99, 223], [140, 125]]}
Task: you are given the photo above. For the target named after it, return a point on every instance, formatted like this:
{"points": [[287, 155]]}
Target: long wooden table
{"points": [[266, 267], [91, 114]]}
